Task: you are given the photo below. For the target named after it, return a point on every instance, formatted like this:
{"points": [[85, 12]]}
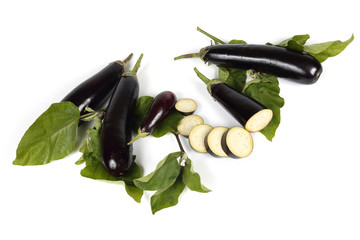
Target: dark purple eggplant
{"points": [[247, 111], [96, 91], [160, 108], [117, 154], [279, 61]]}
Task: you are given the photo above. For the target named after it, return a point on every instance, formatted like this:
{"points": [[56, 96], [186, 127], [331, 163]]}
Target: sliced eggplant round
{"points": [[197, 137], [186, 106], [188, 123], [259, 120], [213, 142], [237, 142]]}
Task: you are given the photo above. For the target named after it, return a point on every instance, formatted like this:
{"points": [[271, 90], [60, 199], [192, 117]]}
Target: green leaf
{"points": [[52, 136], [321, 51], [234, 41], [297, 42], [164, 175], [169, 124], [192, 179], [235, 78], [167, 197], [134, 192], [265, 90]]}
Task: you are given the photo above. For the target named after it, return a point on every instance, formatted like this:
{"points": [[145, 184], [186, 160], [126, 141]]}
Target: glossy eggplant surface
{"points": [[243, 108], [298, 66], [117, 155]]}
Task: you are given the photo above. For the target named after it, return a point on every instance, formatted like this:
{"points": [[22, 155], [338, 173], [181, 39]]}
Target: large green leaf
{"points": [[264, 89], [52, 136], [192, 179], [296, 42], [163, 176], [235, 78], [321, 51], [167, 197]]}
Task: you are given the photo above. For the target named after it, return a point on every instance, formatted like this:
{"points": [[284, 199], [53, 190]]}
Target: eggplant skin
{"points": [[117, 155], [241, 107], [160, 108], [96, 91], [279, 61]]}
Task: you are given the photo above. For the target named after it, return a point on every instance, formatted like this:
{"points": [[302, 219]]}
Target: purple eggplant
{"points": [[279, 61], [160, 108], [96, 91], [117, 154]]}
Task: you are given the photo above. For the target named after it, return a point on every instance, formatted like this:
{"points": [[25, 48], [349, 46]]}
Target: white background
{"points": [[303, 185]]}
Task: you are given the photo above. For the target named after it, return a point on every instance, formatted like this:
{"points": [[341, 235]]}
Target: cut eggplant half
{"points": [[237, 142], [259, 120], [188, 123], [213, 142], [186, 106], [197, 137]]}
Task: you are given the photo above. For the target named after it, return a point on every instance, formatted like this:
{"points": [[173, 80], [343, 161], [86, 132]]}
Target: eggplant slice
{"points": [[197, 137], [259, 120], [186, 106], [188, 123], [237, 142], [213, 142]]}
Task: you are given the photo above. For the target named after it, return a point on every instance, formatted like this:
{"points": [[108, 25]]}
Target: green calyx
{"points": [[207, 81], [139, 135], [126, 61], [133, 72]]}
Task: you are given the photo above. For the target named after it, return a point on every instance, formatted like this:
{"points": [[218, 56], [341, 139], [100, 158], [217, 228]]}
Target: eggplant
{"points": [[237, 142], [96, 91], [279, 61], [197, 137], [117, 154], [247, 111], [186, 106], [160, 108], [187, 123], [213, 142]]}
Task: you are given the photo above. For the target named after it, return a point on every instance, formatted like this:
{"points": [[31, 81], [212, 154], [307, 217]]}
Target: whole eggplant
{"points": [[160, 108], [279, 61], [117, 154], [96, 91]]}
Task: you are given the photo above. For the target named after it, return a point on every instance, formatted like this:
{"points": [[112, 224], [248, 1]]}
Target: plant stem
{"points": [[179, 142], [135, 68], [202, 76], [188, 55], [216, 40], [102, 111], [128, 59], [137, 64]]}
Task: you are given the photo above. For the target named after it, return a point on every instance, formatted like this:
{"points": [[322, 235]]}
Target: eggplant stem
{"points": [[202, 76], [128, 59], [135, 68], [215, 39], [137, 64], [188, 55], [138, 136]]}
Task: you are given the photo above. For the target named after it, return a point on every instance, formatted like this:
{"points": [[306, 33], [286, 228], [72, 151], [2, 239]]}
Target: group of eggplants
{"points": [[108, 105]]}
